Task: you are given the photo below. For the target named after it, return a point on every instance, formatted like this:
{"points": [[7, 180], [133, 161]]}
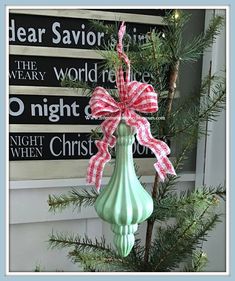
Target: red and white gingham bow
{"points": [[134, 96]]}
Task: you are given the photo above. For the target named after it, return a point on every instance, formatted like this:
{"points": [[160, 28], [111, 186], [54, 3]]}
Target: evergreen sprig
{"points": [[172, 245], [94, 262], [61, 240], [76, 198], [197, 263], [175, 244], [85, 89], [94, 254], [189, 117], [195, 48], [176, 205], [176, 49]]}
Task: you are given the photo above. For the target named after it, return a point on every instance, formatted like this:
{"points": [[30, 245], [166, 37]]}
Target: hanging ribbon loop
{"points": [[134, 96]]}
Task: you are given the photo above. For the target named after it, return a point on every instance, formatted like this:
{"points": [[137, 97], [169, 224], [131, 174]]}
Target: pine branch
{"points": [[192, 50], [198, 262], [85, 89], [168, 185], [111, 60], [97, 255], [174, 244], [211, 106], [62, 240], [195, 48], [157, 192], [175, 24], [135, 259], [150, 222], [178, 205], [101, 26], [94, 262], [173, 75], [75, 198], [110, 261]]}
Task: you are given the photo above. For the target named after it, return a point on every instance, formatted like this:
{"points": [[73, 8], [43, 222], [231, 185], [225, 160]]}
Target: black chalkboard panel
{"points": [[50, 71], [59, 146], [142, 11], [62, 32], [38, 109]]}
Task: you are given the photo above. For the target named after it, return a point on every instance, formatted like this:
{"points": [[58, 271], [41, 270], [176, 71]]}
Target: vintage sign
{"points": [[36, 109], [50, 71], [48, 31], [59, 146]]}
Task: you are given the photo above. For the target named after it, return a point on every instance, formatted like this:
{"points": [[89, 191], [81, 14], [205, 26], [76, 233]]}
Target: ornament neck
{"points": [[125, 139]]}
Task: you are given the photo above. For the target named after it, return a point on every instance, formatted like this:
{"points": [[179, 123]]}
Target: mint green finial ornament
{"points": [[124, 202]]}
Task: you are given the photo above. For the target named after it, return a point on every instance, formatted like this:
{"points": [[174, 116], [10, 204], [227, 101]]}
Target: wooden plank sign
{"points": [[46, 109], [68, 32], [50, 71], [59, 146], [49, 124]]}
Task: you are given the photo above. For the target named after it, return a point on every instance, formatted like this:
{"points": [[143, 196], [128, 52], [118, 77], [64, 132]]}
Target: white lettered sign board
{"points": [[50, 125]]}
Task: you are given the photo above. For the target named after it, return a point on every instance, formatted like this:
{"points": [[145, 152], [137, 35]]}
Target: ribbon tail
{"points": [[160, 149], [163, 167], [98, 161]]}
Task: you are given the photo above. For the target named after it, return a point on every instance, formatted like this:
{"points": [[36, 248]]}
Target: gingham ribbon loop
{"points": [[134, 96]]}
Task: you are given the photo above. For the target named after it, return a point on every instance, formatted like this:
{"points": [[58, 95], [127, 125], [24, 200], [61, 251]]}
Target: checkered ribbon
{"points": [[134, 96]]}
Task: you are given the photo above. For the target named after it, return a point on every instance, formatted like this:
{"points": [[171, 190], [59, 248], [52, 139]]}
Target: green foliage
{"points": [[198, 262], [193, 215], [178, 205], [175, 244], [188, 117], [194, 49], [75, 198], [77, 85], [37, 268], [162, 49], [184, 219], [93, 255]]}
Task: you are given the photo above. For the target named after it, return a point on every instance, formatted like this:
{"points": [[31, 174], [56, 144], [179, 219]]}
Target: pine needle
{"points": [[76, 198]]}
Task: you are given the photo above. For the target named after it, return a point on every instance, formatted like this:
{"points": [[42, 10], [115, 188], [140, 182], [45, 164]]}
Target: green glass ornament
{"points": [[124, 202]]}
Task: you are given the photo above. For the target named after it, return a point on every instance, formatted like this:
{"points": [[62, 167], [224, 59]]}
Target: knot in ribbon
{"points": [[134, 96], [122, 106]]}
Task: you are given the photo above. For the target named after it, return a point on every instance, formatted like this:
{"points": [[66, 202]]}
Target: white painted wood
{"points": [[54, 91], [31, 184], [29, 247], [57, 169], [30, 205], [91, 14], [94, 228], [49, 128], [57, 91], [211, 156], [55, 52], [108, 234]]}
